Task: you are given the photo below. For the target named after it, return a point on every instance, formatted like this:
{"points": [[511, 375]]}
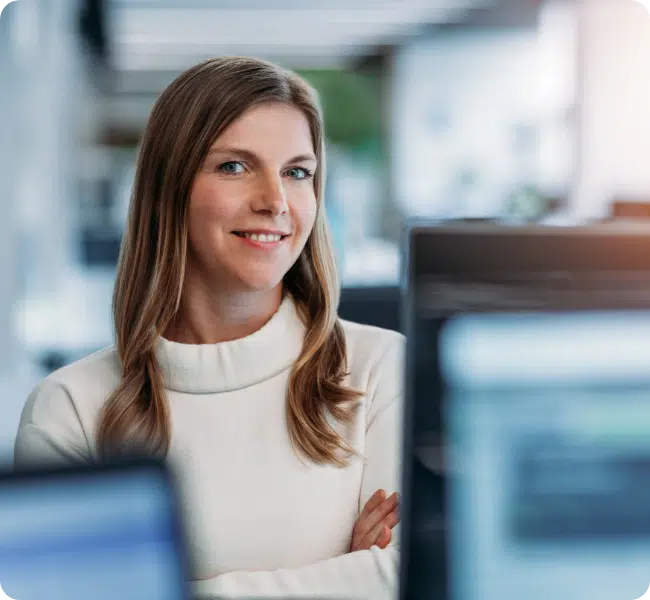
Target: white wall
{"points": [[9, 134], [39, 109], [456, 97], [615, 108], [461, 98], [11, 399]]}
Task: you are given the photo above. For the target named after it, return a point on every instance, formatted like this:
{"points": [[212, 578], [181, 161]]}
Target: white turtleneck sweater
{"points": [[261, 522]]}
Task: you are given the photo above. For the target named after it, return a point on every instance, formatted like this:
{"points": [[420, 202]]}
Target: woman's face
{"points": [[252, 204]]}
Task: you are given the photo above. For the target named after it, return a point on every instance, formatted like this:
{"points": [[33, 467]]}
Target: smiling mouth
{"points": [[267, 238]]}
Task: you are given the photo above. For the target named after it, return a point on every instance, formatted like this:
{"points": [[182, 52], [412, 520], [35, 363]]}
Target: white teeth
{"points": [[263, 237]]}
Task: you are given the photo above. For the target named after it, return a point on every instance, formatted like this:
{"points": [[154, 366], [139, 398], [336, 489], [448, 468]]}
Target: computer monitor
{"points": [[527, 425], [102, 533]]}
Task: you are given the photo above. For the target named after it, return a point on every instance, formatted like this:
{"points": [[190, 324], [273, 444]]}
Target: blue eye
{"points": [[299, 173], [231, 167]]}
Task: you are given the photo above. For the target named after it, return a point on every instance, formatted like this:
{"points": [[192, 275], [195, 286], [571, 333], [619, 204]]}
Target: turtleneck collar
{"points": [[227, 366]]}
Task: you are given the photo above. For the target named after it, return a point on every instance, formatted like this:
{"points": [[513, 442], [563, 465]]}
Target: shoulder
{"points": [[102, 368], [371, 347], [58, 421], [375, 363], [82, 385]]}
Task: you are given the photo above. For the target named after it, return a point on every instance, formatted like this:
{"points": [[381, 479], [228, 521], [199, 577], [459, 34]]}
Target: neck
{"points": [[207, 316]]}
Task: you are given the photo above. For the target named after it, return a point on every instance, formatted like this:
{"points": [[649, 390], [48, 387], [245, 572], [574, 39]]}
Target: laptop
{"points": [[104, 532], [527, 425]]}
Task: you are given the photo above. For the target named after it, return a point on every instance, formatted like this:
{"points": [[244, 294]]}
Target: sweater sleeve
{"points": [[364, 575], [50, 431]]}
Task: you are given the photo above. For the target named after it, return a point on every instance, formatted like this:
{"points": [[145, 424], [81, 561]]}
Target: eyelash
{"points": [[308, 173]]}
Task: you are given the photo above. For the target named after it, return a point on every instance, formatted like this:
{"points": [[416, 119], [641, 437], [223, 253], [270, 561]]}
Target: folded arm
{"points": [[358, 575], [364, 575]]}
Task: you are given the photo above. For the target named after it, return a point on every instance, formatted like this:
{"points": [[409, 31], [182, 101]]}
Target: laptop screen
{"points": [[527, 429], [103, 534]]}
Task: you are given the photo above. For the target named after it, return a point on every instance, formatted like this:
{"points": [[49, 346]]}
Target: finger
{"points": [[392, 518], [384, 537], [370, 539], [378, 515], [386, 533], [373, 502], [361, 524], [366, 525]]}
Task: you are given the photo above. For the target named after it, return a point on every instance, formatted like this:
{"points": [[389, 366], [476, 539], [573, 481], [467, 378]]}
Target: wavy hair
{"points": [[186, 119]]}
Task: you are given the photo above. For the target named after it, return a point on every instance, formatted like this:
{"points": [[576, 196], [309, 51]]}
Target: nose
{"points": [[271, 196]]}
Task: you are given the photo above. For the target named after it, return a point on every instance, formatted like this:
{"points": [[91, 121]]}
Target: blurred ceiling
{"points": [[151, 41], [170, 35]]}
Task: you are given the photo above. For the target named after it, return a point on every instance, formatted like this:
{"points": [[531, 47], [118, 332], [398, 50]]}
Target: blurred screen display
{"points": [[546, 455], [83, 536]]}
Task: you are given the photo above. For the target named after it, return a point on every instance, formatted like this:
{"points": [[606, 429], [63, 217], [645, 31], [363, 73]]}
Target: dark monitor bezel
{"points": [[439, 249]]}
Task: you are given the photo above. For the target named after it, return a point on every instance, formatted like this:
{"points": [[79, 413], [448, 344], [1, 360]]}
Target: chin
{"points": [[260, 283]]}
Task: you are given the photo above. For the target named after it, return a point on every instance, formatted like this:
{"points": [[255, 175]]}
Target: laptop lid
{"points": [[102, 533]]}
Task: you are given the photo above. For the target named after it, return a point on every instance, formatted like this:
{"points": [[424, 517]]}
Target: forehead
{"points": [[269, 128]]}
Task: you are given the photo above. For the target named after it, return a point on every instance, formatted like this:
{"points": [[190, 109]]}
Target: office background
{"points": [[518, 110]]}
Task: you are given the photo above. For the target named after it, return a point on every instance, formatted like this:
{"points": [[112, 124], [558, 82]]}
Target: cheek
{"points": [[305, 215], [209, 204]]}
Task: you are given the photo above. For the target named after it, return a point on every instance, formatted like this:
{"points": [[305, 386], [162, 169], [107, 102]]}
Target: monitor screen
{"points": [[527, 426], [547, 421], [82, 534]]}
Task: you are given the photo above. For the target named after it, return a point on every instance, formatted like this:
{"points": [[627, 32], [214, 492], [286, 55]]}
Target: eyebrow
{"points": [[254, 158]]}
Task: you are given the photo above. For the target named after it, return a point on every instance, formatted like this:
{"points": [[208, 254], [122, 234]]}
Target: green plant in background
{"points": [[352, 106]]}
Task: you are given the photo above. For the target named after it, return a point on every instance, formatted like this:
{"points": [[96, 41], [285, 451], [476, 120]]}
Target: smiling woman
{"points": [[253, 202], [280, 420]]}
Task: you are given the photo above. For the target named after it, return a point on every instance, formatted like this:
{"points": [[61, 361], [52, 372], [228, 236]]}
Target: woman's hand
{"points": [[376, 521]]}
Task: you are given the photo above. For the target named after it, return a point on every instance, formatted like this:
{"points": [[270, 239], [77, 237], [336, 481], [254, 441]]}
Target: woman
{"points": [[281, 421]]}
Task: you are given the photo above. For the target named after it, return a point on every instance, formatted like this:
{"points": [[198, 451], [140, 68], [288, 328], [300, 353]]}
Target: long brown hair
{"points": [[189, 115]]}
